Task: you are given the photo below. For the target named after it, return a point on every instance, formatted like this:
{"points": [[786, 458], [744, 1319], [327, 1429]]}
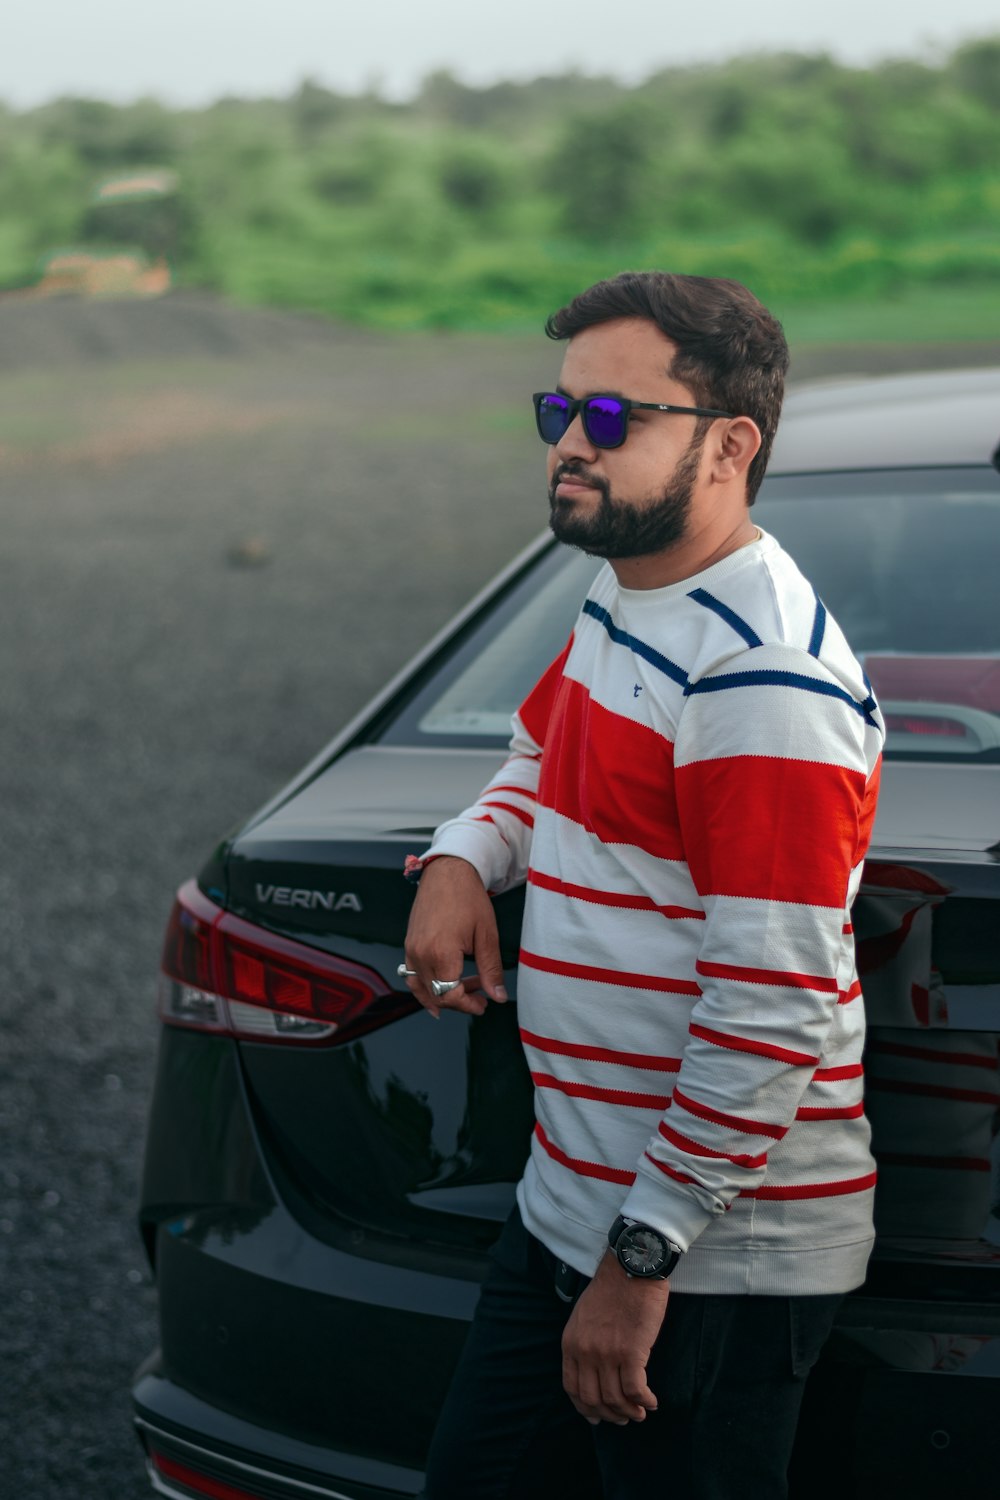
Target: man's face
{"points": [[637, 499]]}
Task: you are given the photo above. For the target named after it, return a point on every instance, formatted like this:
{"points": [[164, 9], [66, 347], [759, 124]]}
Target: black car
{"points": [[326, 1167]]}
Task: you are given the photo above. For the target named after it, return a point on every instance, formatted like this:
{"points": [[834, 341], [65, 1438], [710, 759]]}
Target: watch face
{"points": [[642, 1251]]}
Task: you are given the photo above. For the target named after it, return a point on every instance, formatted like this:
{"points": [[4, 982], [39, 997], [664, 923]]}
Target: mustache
{"points": [[578, 472]]}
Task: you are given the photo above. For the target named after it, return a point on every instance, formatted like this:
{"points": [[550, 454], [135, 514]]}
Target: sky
{"points": [[194, 51]]}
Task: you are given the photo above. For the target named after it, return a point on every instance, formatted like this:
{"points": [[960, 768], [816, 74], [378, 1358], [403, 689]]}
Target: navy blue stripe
{"points": [[771, 677], [640, 648], [702, 596], [819, 627]]}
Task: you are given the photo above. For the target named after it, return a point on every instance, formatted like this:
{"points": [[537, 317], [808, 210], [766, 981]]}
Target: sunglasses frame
{"points": [[580, 406]]}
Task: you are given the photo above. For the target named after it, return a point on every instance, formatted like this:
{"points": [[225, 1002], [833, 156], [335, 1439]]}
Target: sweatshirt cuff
{"points": [[678, 1215], [478, 846]]}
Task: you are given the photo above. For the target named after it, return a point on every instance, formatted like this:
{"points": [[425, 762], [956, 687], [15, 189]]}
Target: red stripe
{"points": [[697, 1149], [783, 978], [671, 1171], [518, 812], [849, 1112], [522, 791], [945, 1163], [734, 1122], [536, 709], [745, 1044], [610, 976], [814, 1189], [583, 1168], [931, 1090], [601, 1054], [834, 1075], [844, 997], [772, 829], [611, 898], [606, 1096], [934, 1054], [610, 775]]}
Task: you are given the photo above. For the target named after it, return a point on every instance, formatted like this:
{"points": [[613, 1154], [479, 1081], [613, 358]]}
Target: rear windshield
{"points": [[906, 561]]}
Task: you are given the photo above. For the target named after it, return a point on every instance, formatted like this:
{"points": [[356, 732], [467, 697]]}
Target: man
{"points": [[688, 796]]}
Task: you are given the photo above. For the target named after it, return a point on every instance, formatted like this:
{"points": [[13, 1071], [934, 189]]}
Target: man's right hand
{"points": [[453, 918]]}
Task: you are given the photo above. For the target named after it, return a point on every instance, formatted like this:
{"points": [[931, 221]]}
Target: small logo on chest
{"points": [[637, 689]]}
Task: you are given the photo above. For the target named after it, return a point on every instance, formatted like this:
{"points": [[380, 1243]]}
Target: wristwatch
{"points": [[642, 1250]]}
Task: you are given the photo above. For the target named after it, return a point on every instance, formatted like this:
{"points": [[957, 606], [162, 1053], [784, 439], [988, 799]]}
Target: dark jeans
{"points": [[728, 1372]]}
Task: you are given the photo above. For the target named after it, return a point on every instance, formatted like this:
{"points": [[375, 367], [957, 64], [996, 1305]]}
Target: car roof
{"points": [[940, 417]]}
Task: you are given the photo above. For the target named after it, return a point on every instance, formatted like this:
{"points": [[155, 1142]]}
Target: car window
{"points": [[906, 562], [483, 697]]}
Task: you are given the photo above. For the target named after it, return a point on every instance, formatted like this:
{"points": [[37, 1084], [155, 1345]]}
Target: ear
{"points": [[736, 445]]}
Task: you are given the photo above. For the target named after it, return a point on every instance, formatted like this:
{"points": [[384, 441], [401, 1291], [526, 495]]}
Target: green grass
{"points": [[917, 314], [937, 288]]}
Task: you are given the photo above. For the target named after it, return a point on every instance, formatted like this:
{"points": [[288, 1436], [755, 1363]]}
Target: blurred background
{"points": [[859, 197], [271, 296]]}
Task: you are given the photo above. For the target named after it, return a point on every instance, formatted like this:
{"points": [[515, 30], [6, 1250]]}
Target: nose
{"points": [[575, 444]]}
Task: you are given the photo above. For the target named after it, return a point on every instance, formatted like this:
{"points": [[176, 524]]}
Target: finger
{"points": [[571, 1385], [460, 999], [589, 1401], [636, 1389], [486, 953], [570, 1378], [457, 999], [432, 965], [420, 992], [474, 984], [614, 1399]]}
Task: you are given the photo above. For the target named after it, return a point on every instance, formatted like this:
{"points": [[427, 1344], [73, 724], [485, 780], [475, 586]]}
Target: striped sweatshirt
{"points": [[689, 796]]}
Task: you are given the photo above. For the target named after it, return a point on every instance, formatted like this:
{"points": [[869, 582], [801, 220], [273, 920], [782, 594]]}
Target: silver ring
{"points": [[404, 972], [444, 986]]}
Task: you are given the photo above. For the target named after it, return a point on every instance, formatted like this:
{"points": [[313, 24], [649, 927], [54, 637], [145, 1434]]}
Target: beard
{"points": [[626, 528]]}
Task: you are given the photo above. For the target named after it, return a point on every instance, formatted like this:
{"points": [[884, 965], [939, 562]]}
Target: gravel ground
{"points": [[222, 531]]}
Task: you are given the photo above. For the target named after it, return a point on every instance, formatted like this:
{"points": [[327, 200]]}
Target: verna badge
{"points": [[307, 900]]}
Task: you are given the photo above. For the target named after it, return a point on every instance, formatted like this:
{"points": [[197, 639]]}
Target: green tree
{"points": [[598, 173], [473, 176], [108, 135], [315, 110], [976, 68]]}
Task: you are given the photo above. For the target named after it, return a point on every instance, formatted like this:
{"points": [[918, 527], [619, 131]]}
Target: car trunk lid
{"points": [[415, 1133]]}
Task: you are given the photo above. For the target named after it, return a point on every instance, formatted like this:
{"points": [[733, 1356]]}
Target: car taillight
{"points": [[194, 1481], [221, 974], [926, 724]]}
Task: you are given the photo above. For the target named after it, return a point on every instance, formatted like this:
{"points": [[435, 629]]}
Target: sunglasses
{"points": [[605, 418]]}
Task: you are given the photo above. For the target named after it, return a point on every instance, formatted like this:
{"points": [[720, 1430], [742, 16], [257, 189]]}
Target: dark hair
{"points": [[731, 352]]}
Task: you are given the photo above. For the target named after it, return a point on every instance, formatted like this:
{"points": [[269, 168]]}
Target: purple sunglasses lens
{"points": [[553, 417], [604, 420]]}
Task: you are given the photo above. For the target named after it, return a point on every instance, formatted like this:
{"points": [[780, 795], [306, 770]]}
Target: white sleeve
{"points": [[494, 834]]}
